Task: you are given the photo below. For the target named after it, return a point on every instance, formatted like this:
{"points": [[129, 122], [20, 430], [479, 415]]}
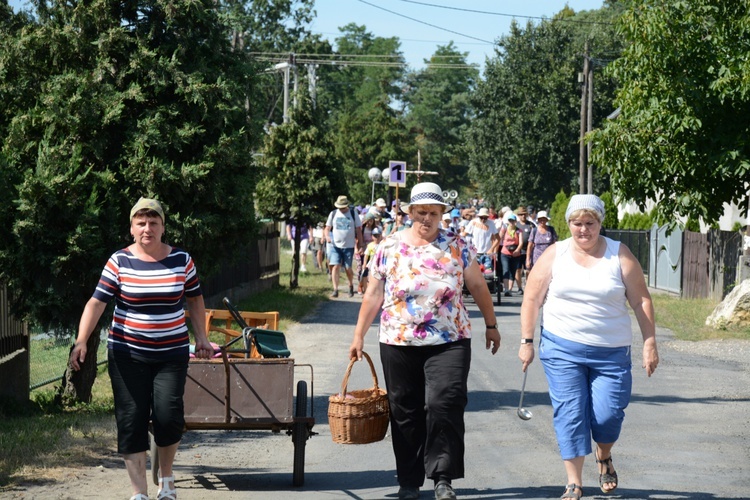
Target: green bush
{"points": [[636, 221], [557, 215], [692, 225], [610, 211]]}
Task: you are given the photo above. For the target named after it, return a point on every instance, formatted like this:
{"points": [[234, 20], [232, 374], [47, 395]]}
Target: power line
{"points": [[297, 55], [425, 23], [373, 64], [500, 13], [406, 39]]}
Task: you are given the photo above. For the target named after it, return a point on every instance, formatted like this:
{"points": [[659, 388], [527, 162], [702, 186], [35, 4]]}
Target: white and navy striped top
{"points": [[149, 317]]}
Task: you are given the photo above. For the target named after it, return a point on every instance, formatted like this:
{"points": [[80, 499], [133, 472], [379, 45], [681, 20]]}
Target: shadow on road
{"points": [[347, 483]]}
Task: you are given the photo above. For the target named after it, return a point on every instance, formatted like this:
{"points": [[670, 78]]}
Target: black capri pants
{"points": [[427, 392], [147, 390]]}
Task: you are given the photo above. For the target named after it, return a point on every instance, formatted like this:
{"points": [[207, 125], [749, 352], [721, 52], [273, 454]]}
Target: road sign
{"points": [[398, 173]]}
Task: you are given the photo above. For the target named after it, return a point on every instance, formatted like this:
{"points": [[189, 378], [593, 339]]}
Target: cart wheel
{"points": [[154, 456], [299, 435]]}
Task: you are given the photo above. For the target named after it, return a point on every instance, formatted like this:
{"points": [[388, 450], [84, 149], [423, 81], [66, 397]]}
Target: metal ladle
{"points": [[523, 413]]}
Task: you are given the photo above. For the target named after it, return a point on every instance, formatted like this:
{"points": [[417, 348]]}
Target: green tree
{"points": [[367, 130], [438, 112], [523, 144], [111, 102], [682, 135], [298, 174]]}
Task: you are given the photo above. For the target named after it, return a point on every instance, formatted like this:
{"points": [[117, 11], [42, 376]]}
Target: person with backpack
{"points": [[511, 240], [342, 233], [541, 237]]}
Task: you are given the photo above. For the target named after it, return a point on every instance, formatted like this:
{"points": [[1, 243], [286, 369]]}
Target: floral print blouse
{"points": [[423, 304]]}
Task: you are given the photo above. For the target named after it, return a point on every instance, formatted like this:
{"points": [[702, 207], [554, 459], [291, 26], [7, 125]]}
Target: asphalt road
{"points": [[686, 434]]}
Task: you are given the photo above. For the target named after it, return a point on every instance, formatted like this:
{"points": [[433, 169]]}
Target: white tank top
{"points": [[588, 305]]}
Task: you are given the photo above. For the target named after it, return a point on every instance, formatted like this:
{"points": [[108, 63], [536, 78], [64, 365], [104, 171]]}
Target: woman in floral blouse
{"points": [[416, 277]]}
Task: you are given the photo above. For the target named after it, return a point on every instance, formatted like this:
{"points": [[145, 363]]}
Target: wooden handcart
{"points": [[250, 387]]}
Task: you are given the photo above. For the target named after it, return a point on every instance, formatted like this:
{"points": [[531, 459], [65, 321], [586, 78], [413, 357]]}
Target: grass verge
{"points": [[687, 319], [38, 438]]}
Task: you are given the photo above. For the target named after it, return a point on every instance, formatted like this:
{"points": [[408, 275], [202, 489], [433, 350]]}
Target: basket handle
{"points": [[345, 382]]}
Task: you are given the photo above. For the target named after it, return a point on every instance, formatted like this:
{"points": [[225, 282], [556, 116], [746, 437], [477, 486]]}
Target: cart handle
{"points": [[235, 313]]}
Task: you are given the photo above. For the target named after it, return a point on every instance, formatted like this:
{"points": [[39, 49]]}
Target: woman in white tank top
{"points": [[585, 284]]}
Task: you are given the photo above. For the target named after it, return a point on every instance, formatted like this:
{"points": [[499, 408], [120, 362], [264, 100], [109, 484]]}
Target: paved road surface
{"points": [[686, 434]]}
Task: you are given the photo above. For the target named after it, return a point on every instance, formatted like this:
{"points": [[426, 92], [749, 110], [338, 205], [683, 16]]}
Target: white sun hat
{"points": [[380, 203], [427, 193], [483, 212], [542, 214]]}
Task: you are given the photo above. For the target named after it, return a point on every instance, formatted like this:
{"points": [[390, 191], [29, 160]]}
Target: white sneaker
{"points": [[303, 269]]}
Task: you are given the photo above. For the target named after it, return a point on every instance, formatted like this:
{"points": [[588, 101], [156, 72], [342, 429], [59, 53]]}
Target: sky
{"points": [[422, 25]]}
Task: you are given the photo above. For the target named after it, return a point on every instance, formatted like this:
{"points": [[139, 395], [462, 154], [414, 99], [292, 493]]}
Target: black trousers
{"points": [[427, 393], [143, 391]]}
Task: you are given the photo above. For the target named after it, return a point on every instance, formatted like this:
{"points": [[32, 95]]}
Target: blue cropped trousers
{"points": [[590, 388]]}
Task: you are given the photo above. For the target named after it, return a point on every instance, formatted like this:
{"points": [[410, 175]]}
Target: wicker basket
{"points": [[358, 417]]}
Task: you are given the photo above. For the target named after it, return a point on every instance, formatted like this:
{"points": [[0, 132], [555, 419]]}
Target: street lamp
{"points": [[375, 176]]}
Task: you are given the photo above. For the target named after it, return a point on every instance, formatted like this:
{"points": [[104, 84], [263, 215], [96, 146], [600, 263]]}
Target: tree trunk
{"points": [[77, 385], [294, 275]]}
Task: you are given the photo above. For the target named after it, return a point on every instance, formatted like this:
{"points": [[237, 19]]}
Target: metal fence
{"points": [[637, 241], [49, 353]]}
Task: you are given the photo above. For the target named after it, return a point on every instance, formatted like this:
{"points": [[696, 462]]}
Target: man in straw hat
{"points": [[342, 233]]}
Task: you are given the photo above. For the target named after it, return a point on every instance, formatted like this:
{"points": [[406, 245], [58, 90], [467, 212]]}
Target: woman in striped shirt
{"points": [[148, 343]]}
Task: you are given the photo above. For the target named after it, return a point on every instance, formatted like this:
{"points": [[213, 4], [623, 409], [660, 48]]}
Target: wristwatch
{"points": [[491, 327], [527, 341]]}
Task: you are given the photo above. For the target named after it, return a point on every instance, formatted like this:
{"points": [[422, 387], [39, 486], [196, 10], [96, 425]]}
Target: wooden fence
{"points": [[257, 270], [14, 352], [710, 263]]}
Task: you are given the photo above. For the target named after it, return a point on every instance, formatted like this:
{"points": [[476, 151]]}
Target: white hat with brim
{"points": [[380, 202], [341, 202], [447, 216], [427, 193], [542, 215], [483, 212]]}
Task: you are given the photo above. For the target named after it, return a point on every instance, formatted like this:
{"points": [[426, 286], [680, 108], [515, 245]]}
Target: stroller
{"points": [[494, 279]]}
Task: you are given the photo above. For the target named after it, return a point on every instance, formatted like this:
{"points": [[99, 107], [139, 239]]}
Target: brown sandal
{"points": [[570, 492], [607, 476]]}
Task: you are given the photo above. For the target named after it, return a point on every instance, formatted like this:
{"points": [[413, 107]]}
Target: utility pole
{"points": [[590, 120], [312, 80], [286, 68], [582, 77]]}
